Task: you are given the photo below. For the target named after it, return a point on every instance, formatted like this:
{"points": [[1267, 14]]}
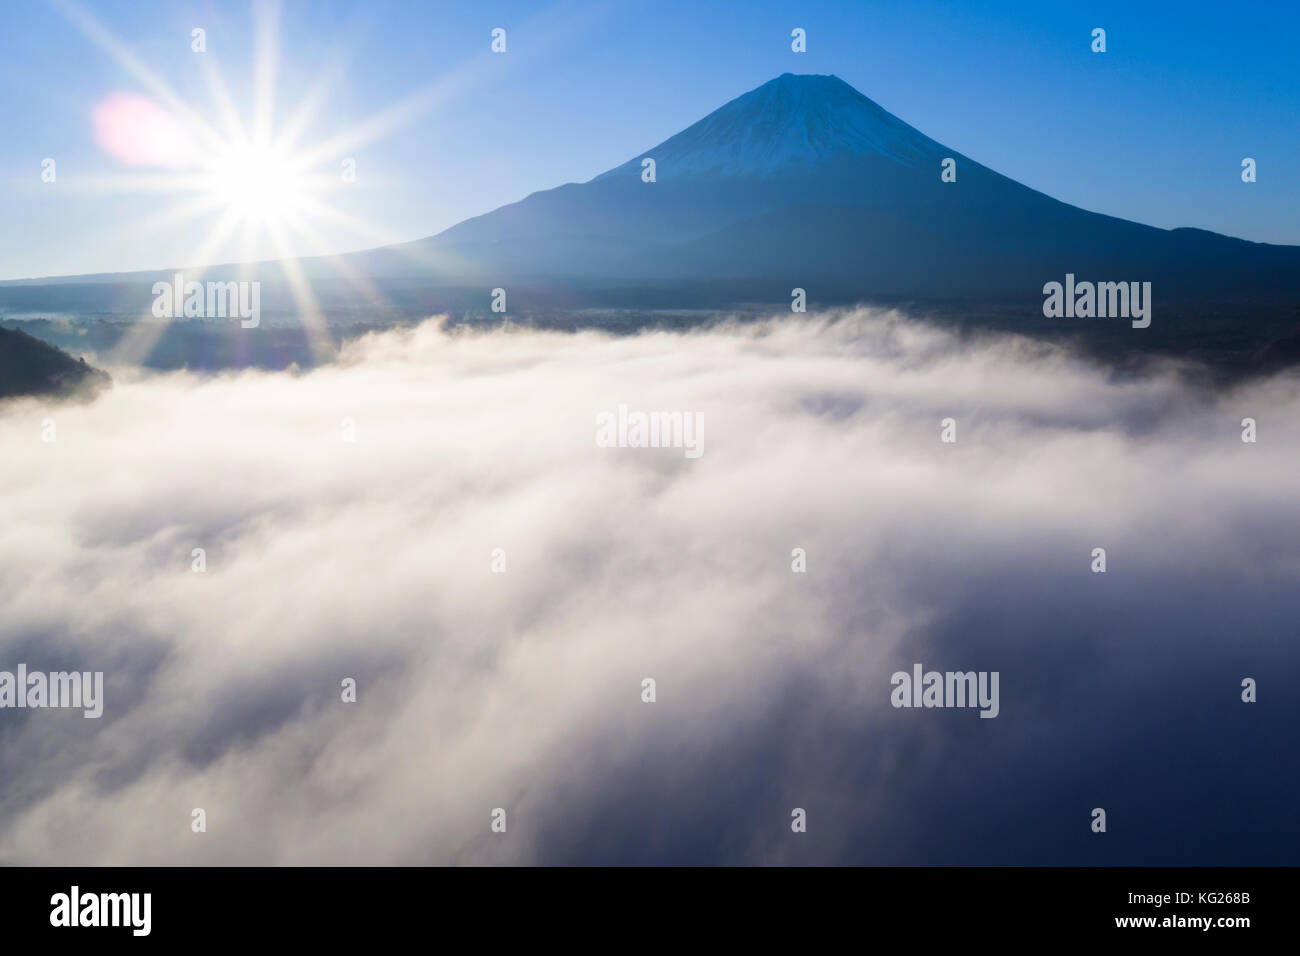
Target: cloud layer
{"points": [[372, 559]]}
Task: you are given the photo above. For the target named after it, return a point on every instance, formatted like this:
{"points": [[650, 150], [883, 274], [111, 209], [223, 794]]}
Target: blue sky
{"points": [[1153, 130]]}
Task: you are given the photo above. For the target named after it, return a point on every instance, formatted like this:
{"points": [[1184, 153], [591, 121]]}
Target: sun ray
{"points": [[307, 109], [140, 339], [266, 43], [170, 216], [145, 183], [221, 96], [261, 187], [379, 237], [351, 275], [84, 21], [309, 314]]}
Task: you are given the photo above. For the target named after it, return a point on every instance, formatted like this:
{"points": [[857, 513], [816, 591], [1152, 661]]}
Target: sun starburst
{"points": [[254, 185]]}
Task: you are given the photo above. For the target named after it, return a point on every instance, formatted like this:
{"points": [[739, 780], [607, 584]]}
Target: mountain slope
{"points": [[790, 123], [29, 366], [806, 179], [802, 181]]}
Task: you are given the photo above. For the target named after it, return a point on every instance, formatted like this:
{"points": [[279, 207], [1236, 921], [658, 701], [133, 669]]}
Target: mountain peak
{"points": [[808, 79], [795, 120]]}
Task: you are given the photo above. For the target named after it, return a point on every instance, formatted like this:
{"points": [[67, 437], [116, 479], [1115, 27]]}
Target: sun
{"points": [[258, 184], [261, 189]]}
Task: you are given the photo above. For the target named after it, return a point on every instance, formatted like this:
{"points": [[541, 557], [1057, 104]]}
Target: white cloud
{"points": [[329, 559]]}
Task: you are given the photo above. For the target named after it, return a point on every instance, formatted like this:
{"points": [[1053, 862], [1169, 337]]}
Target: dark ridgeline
{"points": [[29, 366]]}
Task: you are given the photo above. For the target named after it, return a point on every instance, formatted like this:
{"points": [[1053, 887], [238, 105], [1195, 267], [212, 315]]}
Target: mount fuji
{"points": [[804, 181]]}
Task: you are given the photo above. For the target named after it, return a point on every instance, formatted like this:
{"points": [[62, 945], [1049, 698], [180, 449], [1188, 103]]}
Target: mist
{"points": [[433, 517]]}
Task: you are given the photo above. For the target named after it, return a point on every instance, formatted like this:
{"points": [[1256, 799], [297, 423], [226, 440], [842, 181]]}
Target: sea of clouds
{"points": [[372, 559]]}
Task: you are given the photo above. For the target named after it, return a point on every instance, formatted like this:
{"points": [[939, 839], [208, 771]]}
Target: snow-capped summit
{"points": [[788, 123], [804, 180]]}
